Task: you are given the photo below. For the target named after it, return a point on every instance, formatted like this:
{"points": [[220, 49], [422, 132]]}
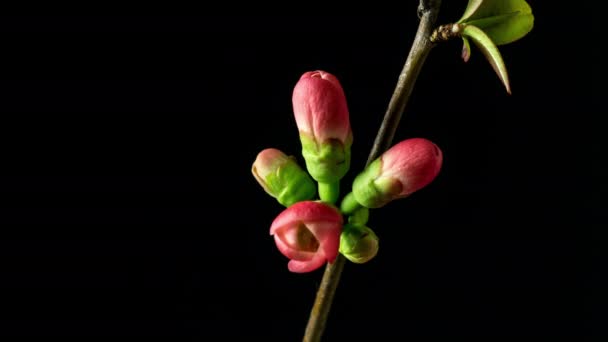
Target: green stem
{"points": [[329, 192], [349, 204], [359, 217], [427, 10]]}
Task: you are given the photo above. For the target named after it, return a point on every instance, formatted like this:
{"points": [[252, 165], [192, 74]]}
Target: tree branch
{"points": [[427, 11]]}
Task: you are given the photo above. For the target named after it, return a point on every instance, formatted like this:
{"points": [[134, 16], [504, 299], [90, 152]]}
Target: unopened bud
{"points": [[358, 244], [282, 178]]}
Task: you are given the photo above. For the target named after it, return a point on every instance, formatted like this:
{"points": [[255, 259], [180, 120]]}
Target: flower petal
{"points": [[306, 211], [290, 252], [320, 107], [306, 266], [328, 235], [304, 227], [414, 162]]}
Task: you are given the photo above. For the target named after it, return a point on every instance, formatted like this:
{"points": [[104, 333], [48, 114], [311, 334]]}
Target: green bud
{"points": [[358, 244], [282, 178]]}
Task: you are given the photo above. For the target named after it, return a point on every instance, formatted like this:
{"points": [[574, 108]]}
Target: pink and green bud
{"points": [[308, 233], [358, 244], [403, 169], [321, 114], [282, 178]]}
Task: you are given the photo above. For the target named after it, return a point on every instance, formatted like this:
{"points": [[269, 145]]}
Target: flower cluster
{"points": [[310, 231]]}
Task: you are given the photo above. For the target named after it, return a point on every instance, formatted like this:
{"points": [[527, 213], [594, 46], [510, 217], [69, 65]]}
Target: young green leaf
{"points": [[472, 7], [466, 49], [485, 44], [504, 21]]}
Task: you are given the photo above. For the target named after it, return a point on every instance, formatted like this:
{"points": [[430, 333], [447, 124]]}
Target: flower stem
{"points": [[427, 11], [349, 204], [359, 217], [329, 192]]}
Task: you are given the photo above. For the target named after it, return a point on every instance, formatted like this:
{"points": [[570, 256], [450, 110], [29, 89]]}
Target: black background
{"points": [[128, 207]]}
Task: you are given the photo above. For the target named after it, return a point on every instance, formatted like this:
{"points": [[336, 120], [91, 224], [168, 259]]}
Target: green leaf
{"points": [[488, 22], [504, 21], [485, 44], [466, 49], [472, 7]]}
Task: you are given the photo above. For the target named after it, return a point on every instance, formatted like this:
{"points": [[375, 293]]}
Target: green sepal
{"points": [[290, 184], [373, 191], [328, 161]]}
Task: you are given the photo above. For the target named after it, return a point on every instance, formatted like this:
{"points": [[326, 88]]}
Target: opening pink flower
{"points": [[308, 233]]}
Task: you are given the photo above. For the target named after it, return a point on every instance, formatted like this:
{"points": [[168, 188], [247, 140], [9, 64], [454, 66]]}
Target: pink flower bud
{"points": [[320, 109], [403, 169], [414, 162], [308, 233], [321, 113]]}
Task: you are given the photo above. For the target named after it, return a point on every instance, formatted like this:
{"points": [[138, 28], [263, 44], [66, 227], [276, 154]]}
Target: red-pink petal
{"points": [[328, 235], [414, 162], [306, 211], [306, 266], [320, 107], [298, 230], [290, 252], [267, 162]]}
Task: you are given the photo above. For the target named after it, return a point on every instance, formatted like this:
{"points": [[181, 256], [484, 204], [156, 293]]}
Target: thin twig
{"points": [[427, 11]]}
